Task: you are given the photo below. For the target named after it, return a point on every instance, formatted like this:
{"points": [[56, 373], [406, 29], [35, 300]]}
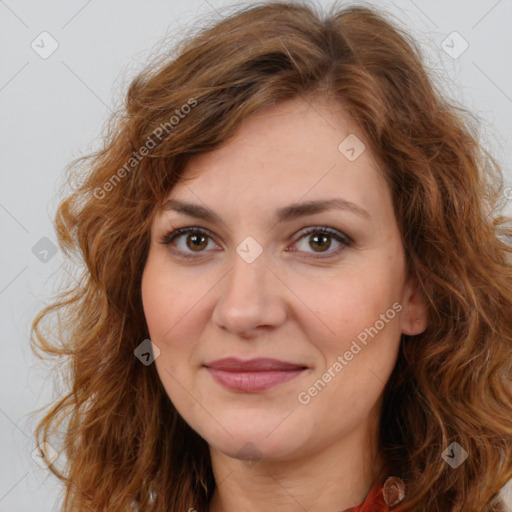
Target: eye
{"points": [[197, 240], [319, 237]]}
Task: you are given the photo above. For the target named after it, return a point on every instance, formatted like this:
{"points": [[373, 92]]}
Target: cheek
{"points": [[357, 334], [165, 317], [155, 302], [175, 315], [167, 299], [352, 303], [357, 358]]}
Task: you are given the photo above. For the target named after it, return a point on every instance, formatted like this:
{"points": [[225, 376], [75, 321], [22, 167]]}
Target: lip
{"points": [[253, 375]]}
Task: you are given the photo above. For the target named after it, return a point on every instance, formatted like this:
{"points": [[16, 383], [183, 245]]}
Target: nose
{"points": [[250, 298]]}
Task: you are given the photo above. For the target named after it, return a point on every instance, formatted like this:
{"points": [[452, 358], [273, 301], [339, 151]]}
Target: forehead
{"points": [[296, 149]]}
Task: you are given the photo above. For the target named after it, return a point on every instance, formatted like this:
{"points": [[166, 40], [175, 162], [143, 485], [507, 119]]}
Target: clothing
{"points": [[382, 496]]}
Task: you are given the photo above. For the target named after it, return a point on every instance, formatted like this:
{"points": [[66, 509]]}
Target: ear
{"points": [[413, 319]]}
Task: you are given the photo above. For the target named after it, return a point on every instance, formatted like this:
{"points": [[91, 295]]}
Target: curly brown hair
{"points": [[122, 437]]}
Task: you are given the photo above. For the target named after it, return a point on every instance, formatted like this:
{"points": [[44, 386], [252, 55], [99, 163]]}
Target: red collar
{"points": [[375, 502]]}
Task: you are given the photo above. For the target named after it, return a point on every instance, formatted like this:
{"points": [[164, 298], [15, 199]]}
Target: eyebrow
{"points": [[284, 214]]}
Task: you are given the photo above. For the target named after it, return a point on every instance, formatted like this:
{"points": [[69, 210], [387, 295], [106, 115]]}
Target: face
{"points": [[307, 304]]}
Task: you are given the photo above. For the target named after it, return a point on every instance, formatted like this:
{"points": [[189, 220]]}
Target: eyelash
{"points": [[343, 239]]}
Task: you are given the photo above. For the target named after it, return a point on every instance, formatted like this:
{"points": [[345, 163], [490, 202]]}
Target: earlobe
{"points": [[413, 319]]}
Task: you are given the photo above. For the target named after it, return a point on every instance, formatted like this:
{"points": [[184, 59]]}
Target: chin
{"points": [[252, 451], [252, 442]]}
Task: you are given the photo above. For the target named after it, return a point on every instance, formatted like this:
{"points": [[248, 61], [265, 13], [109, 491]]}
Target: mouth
{"points": [[253, 375]]}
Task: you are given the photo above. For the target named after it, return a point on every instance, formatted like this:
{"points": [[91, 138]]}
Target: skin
{"points": [[305, 306]]}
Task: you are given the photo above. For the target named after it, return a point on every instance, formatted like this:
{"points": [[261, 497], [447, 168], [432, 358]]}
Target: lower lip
{"points": [[253, 381]]}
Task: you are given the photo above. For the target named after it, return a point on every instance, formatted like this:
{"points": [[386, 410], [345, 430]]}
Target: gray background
{"points": [[53, 109]]}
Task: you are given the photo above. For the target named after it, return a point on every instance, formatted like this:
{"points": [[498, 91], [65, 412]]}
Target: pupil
{"points": [[325, 238], [195, 239]]}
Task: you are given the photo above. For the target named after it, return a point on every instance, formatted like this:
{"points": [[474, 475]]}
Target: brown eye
{"points": [[196, 241], [320, 241]]}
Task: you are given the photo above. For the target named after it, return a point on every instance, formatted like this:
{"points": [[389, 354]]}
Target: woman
{"points": [[297, 294]]}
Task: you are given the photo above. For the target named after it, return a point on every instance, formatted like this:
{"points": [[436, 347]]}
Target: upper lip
{"points": [[232, 364]]}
